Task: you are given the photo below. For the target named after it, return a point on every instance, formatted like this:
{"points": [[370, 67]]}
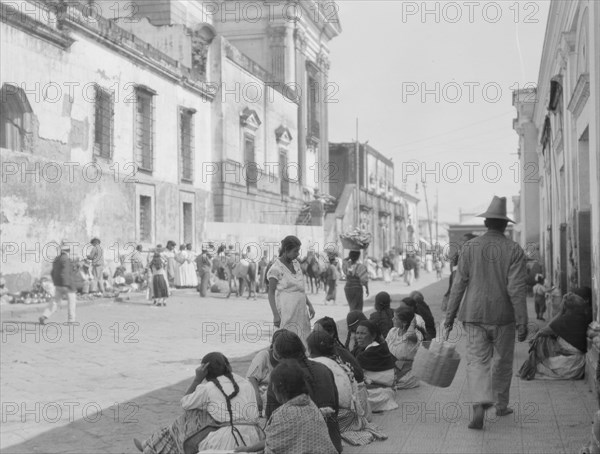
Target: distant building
{"points": [[382, 209]]}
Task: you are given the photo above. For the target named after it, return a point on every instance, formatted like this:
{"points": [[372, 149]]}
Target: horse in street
{"points": [[314, 270]]}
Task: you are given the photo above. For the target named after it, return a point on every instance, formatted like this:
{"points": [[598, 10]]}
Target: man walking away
{"points": [[491, 276], [62, 277]]}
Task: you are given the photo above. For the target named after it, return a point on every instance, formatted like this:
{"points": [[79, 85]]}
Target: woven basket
{"points": [[435, 368], [352, 245]]}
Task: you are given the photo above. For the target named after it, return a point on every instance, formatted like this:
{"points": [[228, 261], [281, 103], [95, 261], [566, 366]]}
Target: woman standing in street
{"points": [[291, 308], [160, 284], [357, 276]]}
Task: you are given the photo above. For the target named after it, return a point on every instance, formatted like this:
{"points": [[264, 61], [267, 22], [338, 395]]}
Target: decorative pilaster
{"points": [[277, 36]]}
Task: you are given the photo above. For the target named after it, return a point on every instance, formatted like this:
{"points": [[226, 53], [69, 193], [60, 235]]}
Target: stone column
{"points": [[300, 46], [328, 172]]}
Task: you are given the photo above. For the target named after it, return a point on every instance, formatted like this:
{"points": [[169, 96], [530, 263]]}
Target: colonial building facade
{"points": [[558, 124], [559, 148], [143, 122]]}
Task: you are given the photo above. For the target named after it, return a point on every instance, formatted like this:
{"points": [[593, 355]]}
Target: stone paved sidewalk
{"points": [[137, 387]]}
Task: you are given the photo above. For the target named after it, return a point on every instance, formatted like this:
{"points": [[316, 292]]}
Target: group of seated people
{"points": [[315, 400]]}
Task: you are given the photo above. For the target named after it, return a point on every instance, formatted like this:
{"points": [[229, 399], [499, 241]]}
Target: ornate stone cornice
{"points": [[13, 16], [300, 40]]}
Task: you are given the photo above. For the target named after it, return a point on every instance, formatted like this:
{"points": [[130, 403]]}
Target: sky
{"points": [[433, 91]]}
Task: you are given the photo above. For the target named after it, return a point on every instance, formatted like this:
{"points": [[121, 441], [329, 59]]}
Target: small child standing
{"points": [[332, 277], [539, 294], [160, 287], [438, 268]]}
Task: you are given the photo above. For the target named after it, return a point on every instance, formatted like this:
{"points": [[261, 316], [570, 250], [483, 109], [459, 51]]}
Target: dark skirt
{"points": [[159, 286], [331, 290], [354, 294]]}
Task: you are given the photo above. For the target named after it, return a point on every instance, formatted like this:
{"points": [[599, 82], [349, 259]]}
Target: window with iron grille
{"points": [[15, 113], [144, 128], [103, 123], [186, 145], [251, 169], [313, 106], [146, 219]]}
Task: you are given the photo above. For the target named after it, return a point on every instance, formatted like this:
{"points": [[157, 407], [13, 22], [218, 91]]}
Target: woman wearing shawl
{"points": [[354, 427], [221, 413], [558, 350], [320, 381], [291, 308], [297, 426], [352, 320], [328, 325], [357, 276], [379, 366], [383, 315], [403, 341]]}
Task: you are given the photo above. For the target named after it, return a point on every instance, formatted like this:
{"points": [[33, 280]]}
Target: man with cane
{"points": [[489, 295]]}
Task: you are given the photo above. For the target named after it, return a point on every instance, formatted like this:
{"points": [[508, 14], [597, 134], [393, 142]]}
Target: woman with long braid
{"points": [[352, 418], [219, 399], [320, 381]]}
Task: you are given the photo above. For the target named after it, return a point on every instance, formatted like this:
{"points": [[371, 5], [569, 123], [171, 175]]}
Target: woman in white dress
{"points": [[216, 395], [292, 310]]}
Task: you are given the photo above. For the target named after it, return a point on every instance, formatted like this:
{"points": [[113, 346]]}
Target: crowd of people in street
{"points": [[309, 371]]}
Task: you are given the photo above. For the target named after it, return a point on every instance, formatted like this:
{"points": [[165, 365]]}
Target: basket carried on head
{"points": [[355, 240], [436, 364]]}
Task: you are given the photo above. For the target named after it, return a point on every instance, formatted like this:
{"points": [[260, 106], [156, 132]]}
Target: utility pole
{"points": [[428, 214], [357, 163], [436, 219]]}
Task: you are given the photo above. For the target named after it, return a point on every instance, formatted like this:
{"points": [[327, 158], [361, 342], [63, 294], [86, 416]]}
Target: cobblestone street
{"points": [[128, 364]]}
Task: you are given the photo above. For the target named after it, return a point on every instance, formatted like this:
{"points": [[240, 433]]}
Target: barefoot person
{"points": [[291, 307], [491, 276]]}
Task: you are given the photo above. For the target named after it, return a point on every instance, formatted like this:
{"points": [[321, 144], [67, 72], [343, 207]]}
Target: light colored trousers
{"points": [[59, 293], [409, 276], [490, 352]]}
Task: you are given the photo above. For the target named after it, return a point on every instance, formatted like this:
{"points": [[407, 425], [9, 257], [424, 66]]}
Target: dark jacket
{"points": [[62, 271]]}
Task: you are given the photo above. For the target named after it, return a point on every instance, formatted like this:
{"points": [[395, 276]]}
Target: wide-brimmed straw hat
{"points": [[496, 210]]}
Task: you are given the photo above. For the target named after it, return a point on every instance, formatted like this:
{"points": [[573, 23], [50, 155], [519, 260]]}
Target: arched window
{"points": [[15, 118]]}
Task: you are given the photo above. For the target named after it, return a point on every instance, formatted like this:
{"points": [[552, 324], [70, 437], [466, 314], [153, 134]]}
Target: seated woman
{"points": [[379, 366], [352, 320], [259, 372], [558, 350], [297, 426], [320, 381], [422, 309], [403, 341], [383, 315], [328, 325], [221, 413], [354, 427]]}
